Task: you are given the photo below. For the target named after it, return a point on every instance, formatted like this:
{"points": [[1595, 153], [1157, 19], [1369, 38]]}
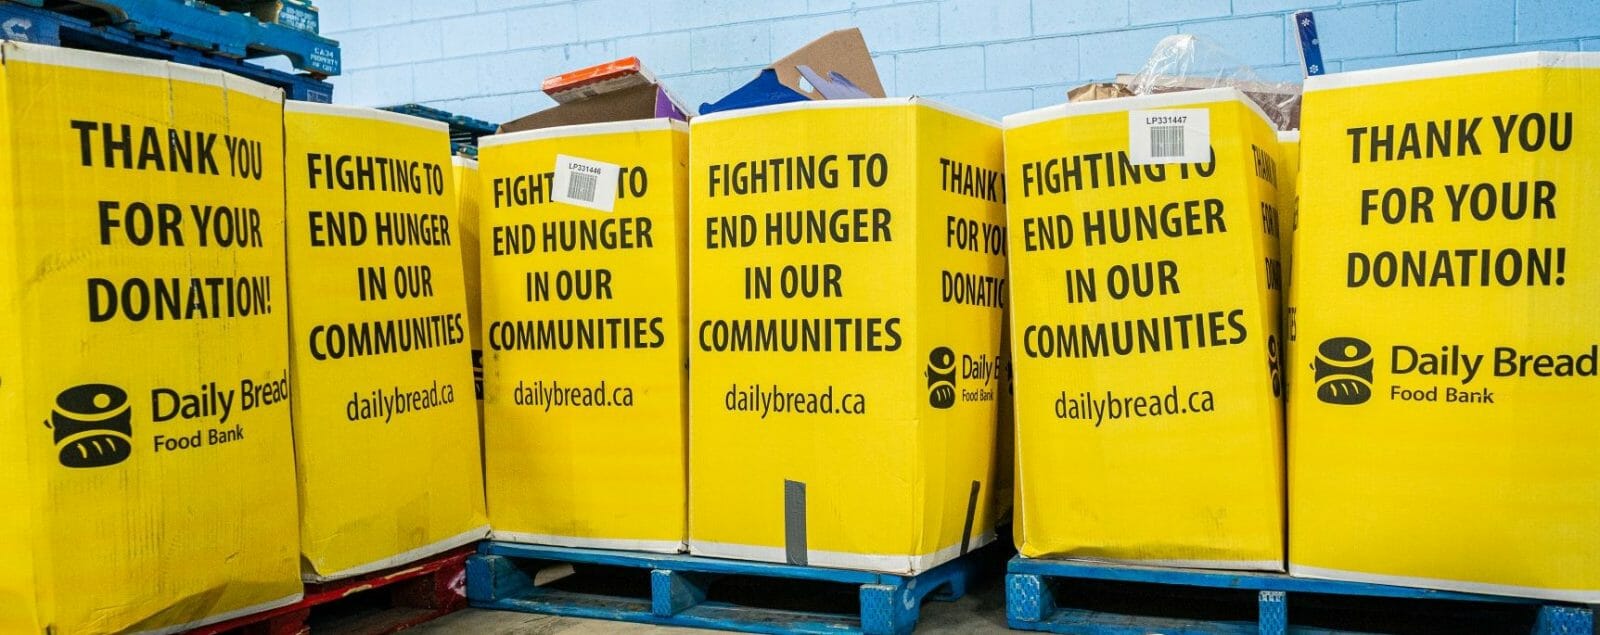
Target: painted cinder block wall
{"points": [[485, 58]]}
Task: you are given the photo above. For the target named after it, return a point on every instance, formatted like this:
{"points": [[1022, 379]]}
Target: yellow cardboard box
{"points": [[1288, 197], [584, 380], [465, 171], [847, 287], [386, 433], [1288, 220], [1145, 325], [146, 463], [1441, 430]]}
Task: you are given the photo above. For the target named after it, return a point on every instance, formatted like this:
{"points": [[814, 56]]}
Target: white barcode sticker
{"points": [[585, 183], [1169, 136]]}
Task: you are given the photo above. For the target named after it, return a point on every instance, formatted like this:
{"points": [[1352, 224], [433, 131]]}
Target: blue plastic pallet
{"points": [[28, 24], [464, 130], [1031, 604], [890, 604], [205, 27]]}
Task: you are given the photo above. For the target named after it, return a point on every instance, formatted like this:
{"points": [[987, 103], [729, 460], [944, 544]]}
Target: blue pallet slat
{"points": [[1272, 609], [1032, 605], [1564, 620], [467, 125], [889, 604], [464, 130], [27, 24], [209, 28]]}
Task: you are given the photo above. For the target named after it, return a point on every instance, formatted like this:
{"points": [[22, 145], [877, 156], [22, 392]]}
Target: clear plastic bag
{"points": [[1188, 62]]}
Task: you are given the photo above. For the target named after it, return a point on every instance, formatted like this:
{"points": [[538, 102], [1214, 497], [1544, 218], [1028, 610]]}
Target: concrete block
{"points": [[1167, 12], [899, 27], [965, 21], [1031, 62], [1052, 17], [730, 46], [1442, 25], [939, 71]]}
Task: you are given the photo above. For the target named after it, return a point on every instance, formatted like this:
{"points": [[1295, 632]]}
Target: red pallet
{"points": [[414, 593]]}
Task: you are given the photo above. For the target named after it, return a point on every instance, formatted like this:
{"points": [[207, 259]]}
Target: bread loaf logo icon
{"points": [[92, 425], [941, 375], [1343, 371]]}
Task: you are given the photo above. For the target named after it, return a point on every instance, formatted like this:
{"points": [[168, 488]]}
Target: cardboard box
{"points": [[465, 172], [1097, 91], [385, 420], [1441, 432], [1288, 217], [584, 382], [1145, 323], [1004, 493], [834, 66], [846, 293], [620, 90], [146, 463]]}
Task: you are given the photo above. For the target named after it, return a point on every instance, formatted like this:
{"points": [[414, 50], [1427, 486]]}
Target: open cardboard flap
{"points": [[620, 90], [834, 66]]}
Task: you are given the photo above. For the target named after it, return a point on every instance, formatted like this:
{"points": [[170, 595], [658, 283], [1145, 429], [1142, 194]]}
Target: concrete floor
{"points": [[982, 611]]}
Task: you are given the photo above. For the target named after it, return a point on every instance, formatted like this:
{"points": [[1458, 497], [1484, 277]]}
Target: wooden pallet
{"points": [[1086, 598], [683, 590], [407, 596]]}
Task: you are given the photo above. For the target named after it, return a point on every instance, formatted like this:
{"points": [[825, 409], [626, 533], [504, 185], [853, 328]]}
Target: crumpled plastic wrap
{"points": [[1189, 62]]}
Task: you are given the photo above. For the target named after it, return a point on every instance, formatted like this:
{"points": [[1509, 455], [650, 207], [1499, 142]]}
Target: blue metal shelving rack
{"points": [[184, 31]]}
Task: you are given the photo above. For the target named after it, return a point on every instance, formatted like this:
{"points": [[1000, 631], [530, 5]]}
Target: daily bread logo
{"points": [[941, 377], [1451, 373], [1343, 371], [92, 425], [946, 378]]}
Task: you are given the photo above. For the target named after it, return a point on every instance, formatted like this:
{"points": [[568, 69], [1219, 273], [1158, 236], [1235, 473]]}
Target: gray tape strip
{"points": [[794, 522], [972, 510]]}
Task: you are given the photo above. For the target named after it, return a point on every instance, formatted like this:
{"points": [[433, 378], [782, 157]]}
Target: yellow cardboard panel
{"points": [[386, 432], [1145, 324], [847, 289], [1288, 220], [465, 172], [1441, 432], [147, 462], [584, 374], [1288, 197]]}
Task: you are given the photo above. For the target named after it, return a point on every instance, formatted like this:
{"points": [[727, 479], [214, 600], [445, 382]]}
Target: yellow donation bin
{"points": [[584, 284], [1441, 424], [846, 293], [146, 463], [1145, 323], [385, 419]]}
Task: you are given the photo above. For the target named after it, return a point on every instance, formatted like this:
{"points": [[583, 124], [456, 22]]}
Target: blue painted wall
{"points": [[485, 58]]}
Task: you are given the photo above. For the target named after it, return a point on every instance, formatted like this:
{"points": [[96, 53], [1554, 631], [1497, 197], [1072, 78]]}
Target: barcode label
{"points": [[585, 183], [1169, 136], [581, 187], [1166, 141]]}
